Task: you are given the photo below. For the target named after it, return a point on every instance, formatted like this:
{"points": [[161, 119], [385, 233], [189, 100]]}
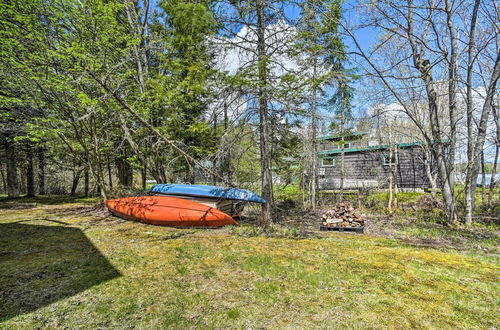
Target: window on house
{"points": [[346, 146], [390, 160], [330, 161]]}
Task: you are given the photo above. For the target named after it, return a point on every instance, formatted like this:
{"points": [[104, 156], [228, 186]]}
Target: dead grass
{"points": [[63, 268]]}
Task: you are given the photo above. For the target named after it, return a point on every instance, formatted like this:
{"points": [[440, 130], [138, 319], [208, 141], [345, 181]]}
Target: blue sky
{"points": [[365, 38]]}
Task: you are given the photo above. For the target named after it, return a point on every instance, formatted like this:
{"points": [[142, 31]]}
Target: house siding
{"points": [[365, 169]]}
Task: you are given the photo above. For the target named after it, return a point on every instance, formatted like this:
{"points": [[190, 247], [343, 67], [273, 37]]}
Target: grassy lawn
{"points": [[63, 267]]}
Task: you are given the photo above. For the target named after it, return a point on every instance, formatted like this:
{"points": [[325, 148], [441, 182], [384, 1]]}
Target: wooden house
{"points": [[368, 165]]}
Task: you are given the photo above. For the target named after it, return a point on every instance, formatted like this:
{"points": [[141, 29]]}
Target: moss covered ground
{"points": [[64, 266]]}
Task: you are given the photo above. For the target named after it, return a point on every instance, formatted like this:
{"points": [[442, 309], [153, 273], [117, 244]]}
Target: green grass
{"points": [[91, 272], [48, 200]]}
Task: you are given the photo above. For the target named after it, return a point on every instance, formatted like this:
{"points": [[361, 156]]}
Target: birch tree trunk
{"points": [[478, 144], [391, 176], [469, 190], [496, 117]]}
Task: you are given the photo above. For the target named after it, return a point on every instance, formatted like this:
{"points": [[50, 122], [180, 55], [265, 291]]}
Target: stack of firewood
{"points": [[343, 215]]}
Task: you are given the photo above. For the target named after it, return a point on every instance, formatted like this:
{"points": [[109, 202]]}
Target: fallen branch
{"points": [[155, 131]]}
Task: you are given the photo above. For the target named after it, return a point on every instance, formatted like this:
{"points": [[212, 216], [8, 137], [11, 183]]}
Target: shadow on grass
{"points": [[40, 265], [46, 200]]}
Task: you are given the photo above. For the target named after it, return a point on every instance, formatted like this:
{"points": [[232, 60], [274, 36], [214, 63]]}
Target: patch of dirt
{"points": [[17, 206], [99, 210]]}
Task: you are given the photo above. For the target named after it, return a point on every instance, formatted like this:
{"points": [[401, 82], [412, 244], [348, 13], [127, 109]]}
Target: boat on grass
{"points": [[228, 200], [168, 211], [204, 191]]}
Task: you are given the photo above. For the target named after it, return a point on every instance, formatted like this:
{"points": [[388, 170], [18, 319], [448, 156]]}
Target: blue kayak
{"points": [[198, 190]]}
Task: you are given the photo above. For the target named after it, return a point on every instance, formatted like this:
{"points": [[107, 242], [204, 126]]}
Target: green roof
{"points": [[369, 148], [349, 136]]}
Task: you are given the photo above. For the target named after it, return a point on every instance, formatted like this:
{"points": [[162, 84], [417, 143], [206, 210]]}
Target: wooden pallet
{"points": [[358, 230]]}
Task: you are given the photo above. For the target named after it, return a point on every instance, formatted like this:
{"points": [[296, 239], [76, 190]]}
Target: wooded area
{"points": [[98, 96]]}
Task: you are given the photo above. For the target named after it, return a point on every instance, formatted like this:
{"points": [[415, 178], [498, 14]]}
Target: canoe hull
{"points": [[168, 211], [204, 191], [234, 208]]}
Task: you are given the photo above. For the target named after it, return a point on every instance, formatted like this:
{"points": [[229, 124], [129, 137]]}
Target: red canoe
{"points": [[168, 211]]}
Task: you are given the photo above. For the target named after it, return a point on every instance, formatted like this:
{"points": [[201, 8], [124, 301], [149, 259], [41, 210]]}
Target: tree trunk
{"points": [[4, 182], [144, 172], [86, 183], [391, 173], [10, 155], [483, 180], [110, 176], [41, 171], [493, 177], [314, 143], [469, 186], [396, 181], [478, 146], [30, 174], [76, 180], [265, 157], [496, 118], [342, 146], [444, 161], [125, 172], [428, 173]]}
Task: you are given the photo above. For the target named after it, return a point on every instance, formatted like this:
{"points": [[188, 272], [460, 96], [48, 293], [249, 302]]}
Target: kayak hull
{"points": [[168, 211], [204, 191], [231, 207]]}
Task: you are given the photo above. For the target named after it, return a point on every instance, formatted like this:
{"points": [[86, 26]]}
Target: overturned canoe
{"points": [[228, 206], [198, 190], [168, 211]]}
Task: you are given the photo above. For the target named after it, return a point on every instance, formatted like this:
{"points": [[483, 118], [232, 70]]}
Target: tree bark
{"points": [[314, 142], [110, 176], [428, 173], [469, 190], [30, 174], [41, 171], [76, 180], [478, 145], [342, 146], [265, 157], [125, 172], [496, 117], [493, 177], [483, 180], [86, 183], [10, 155], [4, 182], [444, 162], [144, 172]]}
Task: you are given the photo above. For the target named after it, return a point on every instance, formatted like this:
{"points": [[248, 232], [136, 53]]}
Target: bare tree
{"points": [[417, 53]]}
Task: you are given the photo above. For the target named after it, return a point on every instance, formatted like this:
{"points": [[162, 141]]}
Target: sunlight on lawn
{"points": [[112, 273]]}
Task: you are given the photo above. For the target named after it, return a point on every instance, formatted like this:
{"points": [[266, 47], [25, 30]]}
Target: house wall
{"points": [[365, 169], [332, 145]]}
